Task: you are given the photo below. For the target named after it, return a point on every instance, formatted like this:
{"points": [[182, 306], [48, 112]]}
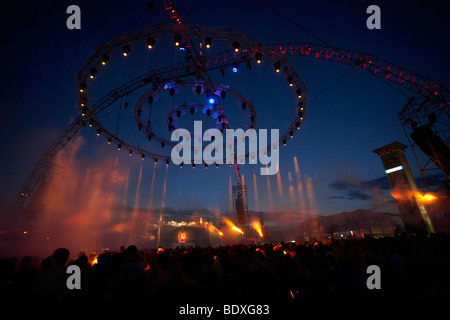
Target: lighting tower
{"points": [[240, 200], [404, 188]]}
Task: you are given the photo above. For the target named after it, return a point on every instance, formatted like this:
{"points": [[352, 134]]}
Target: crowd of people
{"points": [[411, 268]]}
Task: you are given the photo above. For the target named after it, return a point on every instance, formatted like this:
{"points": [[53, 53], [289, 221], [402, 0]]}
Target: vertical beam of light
{"points": [[269, 190], [125, 187], [291, 189], [279, 183], [152, 187], [300, 189], [163, 198], [230, 194], [255, 190], [311, 195], [138, 188], [134, 216], [296, 168]]}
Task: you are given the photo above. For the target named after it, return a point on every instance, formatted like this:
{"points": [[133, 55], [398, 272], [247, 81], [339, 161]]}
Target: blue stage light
{"points": [[235, 67]]}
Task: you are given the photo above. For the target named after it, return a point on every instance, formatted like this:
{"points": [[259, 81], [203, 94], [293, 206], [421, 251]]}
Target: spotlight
{"points": [[211, 99], [126, 50], [290, 81], [91, 122], [178, 113], [298, 124], [193, 166], [82, 87], [84, 111], [244, 105], [99, 130], [140, 125], [130, 152], [299, 92], [156, 161], [192, 110], [149, 137], [150, 42], [277, 66], [198, 89], [206, 166], [170, 120], [82, 101], [93, 73], [162, 144], [235, 66], [150, 99], [172, 92], [300, 104], [223, 94], [236, 46], [284, 142], [177, 39], [208, 42], [170, 128], [139, 111], [109, 140], [181, 165], [258, 57], [291, 133], [208, 112], [119, 146], [167, 162], [217, 165], [143, 156], [301, 114], [105, 59]]}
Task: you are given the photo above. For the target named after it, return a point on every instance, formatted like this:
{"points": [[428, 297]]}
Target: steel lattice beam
{"points": [[379, 67], [41, 169]]}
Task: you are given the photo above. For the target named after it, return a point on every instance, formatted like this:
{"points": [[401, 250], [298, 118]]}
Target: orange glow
{"points": [[397, 196], [257, 226], [233, 226], [212, 228], [424, 198]]}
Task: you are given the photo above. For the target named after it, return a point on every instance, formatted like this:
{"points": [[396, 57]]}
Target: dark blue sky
{"points": [[346, 119]]}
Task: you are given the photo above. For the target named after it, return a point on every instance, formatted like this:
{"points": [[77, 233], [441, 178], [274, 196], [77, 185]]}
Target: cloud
{"points": [[353, 195], [355, 189]]}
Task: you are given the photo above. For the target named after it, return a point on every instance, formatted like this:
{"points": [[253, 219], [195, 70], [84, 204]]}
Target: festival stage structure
{"points": [[237, 50]]}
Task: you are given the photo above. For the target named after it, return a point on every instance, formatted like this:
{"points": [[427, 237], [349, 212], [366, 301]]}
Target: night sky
{"points": [[327, 168]]}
